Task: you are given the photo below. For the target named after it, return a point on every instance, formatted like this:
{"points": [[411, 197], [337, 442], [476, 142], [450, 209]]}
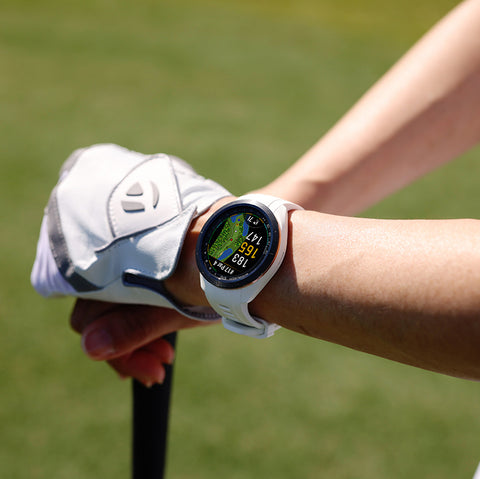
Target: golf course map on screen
{"points": [[232, 235]]}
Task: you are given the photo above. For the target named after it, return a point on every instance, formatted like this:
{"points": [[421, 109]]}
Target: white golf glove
{"points": [[115, 225]]}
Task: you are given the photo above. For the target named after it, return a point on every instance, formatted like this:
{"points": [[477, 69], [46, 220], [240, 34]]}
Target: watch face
{"points": [[237, 244]]}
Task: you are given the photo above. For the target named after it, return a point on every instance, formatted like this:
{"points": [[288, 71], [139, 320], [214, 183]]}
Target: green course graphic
{"points": [[230, 238]]}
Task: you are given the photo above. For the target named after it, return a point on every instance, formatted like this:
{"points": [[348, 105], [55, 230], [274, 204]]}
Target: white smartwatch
{"points": [[239, 249]]}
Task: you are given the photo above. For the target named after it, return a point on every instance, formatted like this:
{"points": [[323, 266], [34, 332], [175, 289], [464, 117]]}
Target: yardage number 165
{"points": [[248, 250]]}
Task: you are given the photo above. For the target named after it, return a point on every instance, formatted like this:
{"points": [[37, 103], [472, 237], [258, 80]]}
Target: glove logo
{"points": [[147, 197], [138, 196]]}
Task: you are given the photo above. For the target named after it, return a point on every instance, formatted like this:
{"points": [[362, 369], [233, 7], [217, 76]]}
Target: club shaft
{"points": [[150, 425]]}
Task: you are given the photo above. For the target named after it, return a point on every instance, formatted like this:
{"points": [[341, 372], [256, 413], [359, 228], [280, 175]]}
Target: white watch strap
{"points": [[232, 305], [265, 330]]}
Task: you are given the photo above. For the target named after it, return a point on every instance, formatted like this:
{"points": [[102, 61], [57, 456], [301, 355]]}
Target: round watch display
{"points": [[237, 244]]}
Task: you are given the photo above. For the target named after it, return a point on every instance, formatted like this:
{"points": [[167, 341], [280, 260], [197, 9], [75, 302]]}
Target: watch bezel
{"points": [[268, 256]]}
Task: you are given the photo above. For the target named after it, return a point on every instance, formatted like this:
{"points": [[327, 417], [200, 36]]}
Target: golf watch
{"points": [[240, 248]]}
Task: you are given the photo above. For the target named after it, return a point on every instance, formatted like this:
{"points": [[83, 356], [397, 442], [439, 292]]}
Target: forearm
{"points": [[421, 114], [408, 291]]}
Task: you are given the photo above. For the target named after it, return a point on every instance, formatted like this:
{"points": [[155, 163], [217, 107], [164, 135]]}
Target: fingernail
{"points": [[158, 379], [171, 358], [98, 344]]}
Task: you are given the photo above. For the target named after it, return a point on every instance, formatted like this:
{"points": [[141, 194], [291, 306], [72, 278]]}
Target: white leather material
{"points": [[135, 204], [115, 225], [45, 276]]}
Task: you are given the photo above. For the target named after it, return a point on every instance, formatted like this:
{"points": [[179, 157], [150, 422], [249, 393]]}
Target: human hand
{"points": [[115, 226], [129, 337], [121, 227]]}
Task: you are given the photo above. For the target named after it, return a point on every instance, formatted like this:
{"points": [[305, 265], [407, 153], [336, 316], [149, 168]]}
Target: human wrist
{"points": [[239, 250], [184, 283]]}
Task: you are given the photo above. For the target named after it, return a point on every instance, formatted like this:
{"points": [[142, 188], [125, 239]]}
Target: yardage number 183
{"points": [[248, 250]]}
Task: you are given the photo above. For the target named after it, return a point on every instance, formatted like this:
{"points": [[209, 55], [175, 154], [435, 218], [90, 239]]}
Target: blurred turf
{"points": [[240, 90]]}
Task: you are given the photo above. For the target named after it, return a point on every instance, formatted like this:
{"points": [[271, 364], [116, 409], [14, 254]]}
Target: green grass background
{"points": [[240, 90]]}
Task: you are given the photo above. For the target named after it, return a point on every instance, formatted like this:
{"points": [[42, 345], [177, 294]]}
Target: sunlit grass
{"points": [[239, 89]]}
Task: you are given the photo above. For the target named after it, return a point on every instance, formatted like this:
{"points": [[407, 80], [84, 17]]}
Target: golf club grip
{"points": [[150, 425]]}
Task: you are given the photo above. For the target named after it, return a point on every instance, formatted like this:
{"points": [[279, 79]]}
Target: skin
{"points": [[408, 291], [403, 290], [421, 114], [128, 337]]}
